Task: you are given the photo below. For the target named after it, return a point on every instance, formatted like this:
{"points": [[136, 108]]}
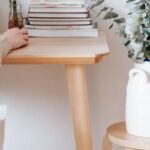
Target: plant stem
{"points": [[10, 2], [15, 13]]}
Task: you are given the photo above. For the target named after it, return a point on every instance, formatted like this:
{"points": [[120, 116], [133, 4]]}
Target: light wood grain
{"points": [[60, 51], [74, 52], [79, 102], [129, 149], [107, 145], [118, 135]]}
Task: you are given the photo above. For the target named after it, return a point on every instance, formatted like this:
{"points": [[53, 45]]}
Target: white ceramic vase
{"points": [[138, 101]]}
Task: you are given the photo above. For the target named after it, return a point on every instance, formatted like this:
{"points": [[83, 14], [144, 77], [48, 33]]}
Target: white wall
{"points": [[39, 111]]}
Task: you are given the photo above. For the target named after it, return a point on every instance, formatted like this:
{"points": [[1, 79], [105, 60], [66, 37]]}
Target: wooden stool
{"points": [[117, 134]]}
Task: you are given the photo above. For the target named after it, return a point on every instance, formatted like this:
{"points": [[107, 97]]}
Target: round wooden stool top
{"points": [[118, 135]]}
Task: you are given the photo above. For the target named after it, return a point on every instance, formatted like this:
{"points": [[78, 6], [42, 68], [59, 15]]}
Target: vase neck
{"points": [[144, 66]]}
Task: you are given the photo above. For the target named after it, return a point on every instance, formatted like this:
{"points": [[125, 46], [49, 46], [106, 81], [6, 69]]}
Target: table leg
{"points": [[79, 103]]}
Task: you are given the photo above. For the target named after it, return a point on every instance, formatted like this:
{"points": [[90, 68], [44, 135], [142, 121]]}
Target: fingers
{"points": [[24, 31], [25, 43], [17, 37], [25, 37], [14, 29], [22, 43]]}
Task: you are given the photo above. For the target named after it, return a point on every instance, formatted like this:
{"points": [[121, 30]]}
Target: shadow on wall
{"points": [[107, 84], [4, 12], [3, 113]]}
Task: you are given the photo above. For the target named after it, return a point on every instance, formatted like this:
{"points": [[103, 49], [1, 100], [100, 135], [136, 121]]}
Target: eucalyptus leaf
{"points": [[102, 10], [119, 21], [110, 15], [99, 2], [111, 26], [138, 23], [130, 1]]}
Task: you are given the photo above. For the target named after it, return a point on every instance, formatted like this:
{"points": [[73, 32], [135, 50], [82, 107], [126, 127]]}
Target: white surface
{"points": [[39, 118]]}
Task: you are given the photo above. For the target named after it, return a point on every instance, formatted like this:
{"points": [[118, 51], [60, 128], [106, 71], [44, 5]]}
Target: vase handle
{"points": [[140, 74]]}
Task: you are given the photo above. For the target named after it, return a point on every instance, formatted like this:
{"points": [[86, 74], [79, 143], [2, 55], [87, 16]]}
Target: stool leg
{"points": [[107, 145]]}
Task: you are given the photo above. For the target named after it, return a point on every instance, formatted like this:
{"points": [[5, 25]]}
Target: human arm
{"points": [[12, 39]]}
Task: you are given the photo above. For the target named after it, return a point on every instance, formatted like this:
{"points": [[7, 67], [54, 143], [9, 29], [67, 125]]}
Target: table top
{"points": [[60, 51]]}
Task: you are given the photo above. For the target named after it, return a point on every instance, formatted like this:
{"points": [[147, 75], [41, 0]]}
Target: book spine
{"points": [[55, 6], [57, 2], [59, 23], [58, 10], [56, 15], [63, 33], [61, 20], [74, 27]]}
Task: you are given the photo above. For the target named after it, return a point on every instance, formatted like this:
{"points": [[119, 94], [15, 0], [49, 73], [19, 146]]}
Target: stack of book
{"points": [[60, 18]]}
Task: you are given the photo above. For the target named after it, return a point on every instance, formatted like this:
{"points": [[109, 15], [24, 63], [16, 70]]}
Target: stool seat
{"points": [[118, 135]]}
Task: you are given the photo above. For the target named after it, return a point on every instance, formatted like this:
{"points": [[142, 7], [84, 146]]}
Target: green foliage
{"points": [[15, 13], [134, 29]]}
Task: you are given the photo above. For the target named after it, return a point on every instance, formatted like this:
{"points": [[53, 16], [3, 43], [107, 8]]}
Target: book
{"points": [[58, 10], [58, 15], [59, 22], [63, 33], [74, 27], [57, 2], [60, 19], [54, 6]]}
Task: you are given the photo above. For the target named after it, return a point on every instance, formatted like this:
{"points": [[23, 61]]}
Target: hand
{"points": [[17, 37]]}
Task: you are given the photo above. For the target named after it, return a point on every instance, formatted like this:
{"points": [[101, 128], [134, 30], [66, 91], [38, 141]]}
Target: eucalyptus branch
{"points": [[99, 2], [131, 32], [10, 2], [134, 29], [102, 10], [109, 12]]}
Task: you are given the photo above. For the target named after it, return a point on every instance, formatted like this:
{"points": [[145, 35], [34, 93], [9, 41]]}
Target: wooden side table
{"points": [[74, 53], [117, 134]]}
